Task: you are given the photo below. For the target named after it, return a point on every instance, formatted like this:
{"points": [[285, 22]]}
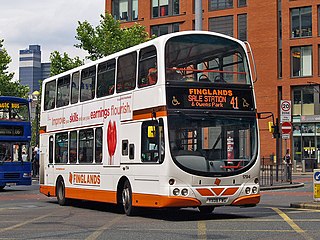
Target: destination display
{"points": [[210, 98], [11, 131], [6, 105]]}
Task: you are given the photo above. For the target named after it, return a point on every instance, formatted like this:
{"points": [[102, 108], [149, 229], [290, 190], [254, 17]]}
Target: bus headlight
{"points": [[176, 191], [254, 190], [184, 192], [247, 190]]}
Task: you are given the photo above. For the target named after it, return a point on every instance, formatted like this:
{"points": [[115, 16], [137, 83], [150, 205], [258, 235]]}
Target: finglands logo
{"points": [[92, 179]]}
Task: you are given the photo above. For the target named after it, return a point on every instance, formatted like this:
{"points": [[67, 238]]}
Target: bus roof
{"points": [[159, 39], [13, 99]]}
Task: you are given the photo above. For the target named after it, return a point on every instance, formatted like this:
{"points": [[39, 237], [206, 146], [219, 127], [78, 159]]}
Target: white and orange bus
{"points": [[167, 123]]}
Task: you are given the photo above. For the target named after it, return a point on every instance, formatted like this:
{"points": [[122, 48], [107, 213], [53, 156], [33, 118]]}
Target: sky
{"points": [[49, 23]]}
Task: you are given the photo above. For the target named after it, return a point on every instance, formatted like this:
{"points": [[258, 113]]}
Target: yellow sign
{"points": [[151, 131], [317, 190], [7, 105]]}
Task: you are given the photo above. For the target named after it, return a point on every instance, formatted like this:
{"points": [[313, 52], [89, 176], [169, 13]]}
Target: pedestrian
{"points": [[287, 160]]}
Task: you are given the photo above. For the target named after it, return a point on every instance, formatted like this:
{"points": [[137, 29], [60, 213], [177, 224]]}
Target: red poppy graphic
{"points": [[112, 140]]}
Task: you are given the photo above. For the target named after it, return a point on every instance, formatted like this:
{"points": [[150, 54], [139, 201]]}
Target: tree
{"points": [[7, 86], [62, 62], [108, 37]]}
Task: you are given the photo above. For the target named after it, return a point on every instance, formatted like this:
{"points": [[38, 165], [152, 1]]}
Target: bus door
{"points": [[48, 167]]}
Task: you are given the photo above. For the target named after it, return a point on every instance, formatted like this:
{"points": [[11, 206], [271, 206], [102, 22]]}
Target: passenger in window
{"points": [[152, 75]]}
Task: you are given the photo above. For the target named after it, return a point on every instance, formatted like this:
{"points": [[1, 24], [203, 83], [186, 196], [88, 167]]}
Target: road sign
{"points": [[285, 111], [316, 185], [286, 127]]}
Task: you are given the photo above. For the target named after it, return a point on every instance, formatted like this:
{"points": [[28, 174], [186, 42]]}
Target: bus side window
{"points": [[152, 141], [63, 91], [126, 72], [75, 87], [98, 145], [51, 149], [106, 78], [50, 95], [61, 148], [125, 146], [148, 74], [131, 151], [88, 78], [73, 146]]}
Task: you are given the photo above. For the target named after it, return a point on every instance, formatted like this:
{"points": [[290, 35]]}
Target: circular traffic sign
{"points": [[286, 106], [286, 127]]}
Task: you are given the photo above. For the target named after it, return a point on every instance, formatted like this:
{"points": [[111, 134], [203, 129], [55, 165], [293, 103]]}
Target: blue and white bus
{"points": [[15, 137]]}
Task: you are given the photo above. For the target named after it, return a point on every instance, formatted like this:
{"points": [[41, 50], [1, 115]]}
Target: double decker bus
{"points": [[15, 137], [167, 123]]}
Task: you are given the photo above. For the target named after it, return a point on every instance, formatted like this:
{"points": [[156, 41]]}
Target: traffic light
{"points": [[271, 127]]}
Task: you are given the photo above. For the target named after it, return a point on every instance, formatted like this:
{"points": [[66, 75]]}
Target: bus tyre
{"points": [[61, 193], [1, 188], [206, 209], [127, 199]]}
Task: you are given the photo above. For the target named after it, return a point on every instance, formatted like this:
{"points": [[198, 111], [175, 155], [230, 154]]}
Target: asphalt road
{"points": [[27, 214]]}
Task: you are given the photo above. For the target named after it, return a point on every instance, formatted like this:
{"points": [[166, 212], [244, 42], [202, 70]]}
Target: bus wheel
{"points": [[61, 193], [127, 199], [206, 209], [1, 188]]}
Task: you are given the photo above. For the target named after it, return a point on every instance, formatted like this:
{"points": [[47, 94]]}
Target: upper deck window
{"points": [[126, 74], [63, 91], [88, 77], [106, 76], [148, 74], [203, 58], [50, 95], [14, 111]]}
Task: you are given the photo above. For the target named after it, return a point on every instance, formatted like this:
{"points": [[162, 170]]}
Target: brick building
{"points": [[285, 38]]}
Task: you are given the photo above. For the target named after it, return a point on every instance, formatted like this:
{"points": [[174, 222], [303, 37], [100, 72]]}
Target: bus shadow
{"points": [[169, 214]]}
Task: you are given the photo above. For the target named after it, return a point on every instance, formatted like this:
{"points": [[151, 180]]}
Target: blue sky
{"points": [[51, 24]]}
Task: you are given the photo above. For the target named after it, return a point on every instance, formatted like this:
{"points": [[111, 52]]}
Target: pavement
{"points": [[286, 185]]}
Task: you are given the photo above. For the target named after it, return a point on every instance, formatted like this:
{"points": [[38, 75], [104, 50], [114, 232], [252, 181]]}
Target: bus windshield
{"points": [[13, 152], [206, 59], [14, 111], [212, 145]]}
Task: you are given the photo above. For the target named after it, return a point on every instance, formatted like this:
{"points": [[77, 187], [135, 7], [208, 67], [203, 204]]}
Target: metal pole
{"points": [[37, 123], [278, 160], [198, 14]]}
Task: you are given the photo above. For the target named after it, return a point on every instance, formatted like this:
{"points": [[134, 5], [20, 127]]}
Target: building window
{"points": [[222, 25], [242, 3], [159, 30], [242, 27], [301, 22], [220, 4], [125, 10], [301, 61], [305, 100], [162, 8]]}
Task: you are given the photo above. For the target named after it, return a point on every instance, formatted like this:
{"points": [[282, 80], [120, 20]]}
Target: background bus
{"points": [[15, 136], [167, 123]]}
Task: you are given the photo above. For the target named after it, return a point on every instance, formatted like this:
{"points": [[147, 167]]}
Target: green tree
{"points": [[7, 86], [62, 62], [108, 37]]}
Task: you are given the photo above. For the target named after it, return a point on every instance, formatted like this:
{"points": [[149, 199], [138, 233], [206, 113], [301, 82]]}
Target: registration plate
{"points": [[217, 200], [11, 184]]}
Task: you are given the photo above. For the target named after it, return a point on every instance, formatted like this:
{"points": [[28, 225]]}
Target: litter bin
{"points": [[310, 164]]}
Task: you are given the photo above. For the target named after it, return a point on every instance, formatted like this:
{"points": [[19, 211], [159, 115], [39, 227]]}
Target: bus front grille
{"points": [[11, 175]]}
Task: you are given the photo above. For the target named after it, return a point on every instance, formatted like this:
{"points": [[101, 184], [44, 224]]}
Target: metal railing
{"points": [[271, 174]]}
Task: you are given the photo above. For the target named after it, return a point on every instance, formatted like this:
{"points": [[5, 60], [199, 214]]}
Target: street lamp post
{"points": [[36, 95]]}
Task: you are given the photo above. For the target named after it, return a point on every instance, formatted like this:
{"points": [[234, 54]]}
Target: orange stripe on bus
{"points": [[92, 195], [49, 191], [247, 200], [149, 115], [138, 199], [205, 192], [217, 191], [158, 201], [230, 191]]}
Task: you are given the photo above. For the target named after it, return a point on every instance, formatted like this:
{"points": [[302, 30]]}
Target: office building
{"points": [[31, 70], [285, 38]]}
